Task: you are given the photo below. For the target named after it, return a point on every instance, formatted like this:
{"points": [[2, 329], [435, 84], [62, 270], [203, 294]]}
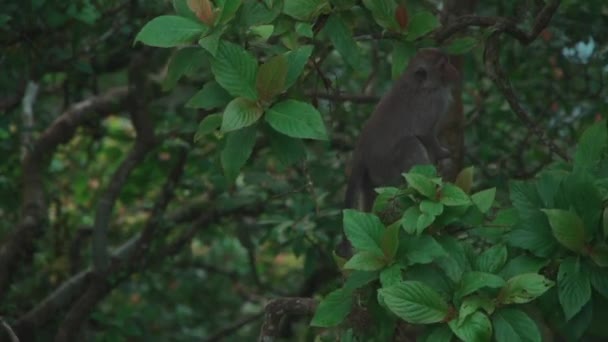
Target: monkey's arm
{"points": [[431, 143]]}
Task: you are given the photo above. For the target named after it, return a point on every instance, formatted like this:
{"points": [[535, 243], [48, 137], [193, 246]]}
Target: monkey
{"points": [[402, 131]]}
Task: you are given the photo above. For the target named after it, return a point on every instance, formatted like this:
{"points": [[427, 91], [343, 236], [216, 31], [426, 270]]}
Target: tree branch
{"points": [[20, 242], [280, 307]]}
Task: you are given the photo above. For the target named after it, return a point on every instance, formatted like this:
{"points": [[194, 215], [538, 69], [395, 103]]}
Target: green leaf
{"points": [[211, 42], [183, 62], [402, 52], [484, 199], [306, 10], [599, 280], [523, 264], [342, 39], [296, 61], [264, 31], [390, 241], [431, 208], [599, 254], [535, 235], [333, 309], [387, 196], [271, 77], [409, 221], [391, 276], [365, 261], [426, 170], [304, 30], [415, 302], [297, 119], [461, 46], [423, 184], [440, 333], [574, 287], [235, 69], [182, 9], [525, 198], [422, 249], [472, 304], [228, 9], [208, 125], [210, 97], [363, 230], [492, 259], [451, 195], [383, 12], [424, 221], [421, 23], [475, 328], [288, 150], [512, 325], [464, 180], [238, 148], [591, 146], [256, 13], [357, 279], [170, 31], [239, 113], [568, 229], [524, 288], [431, 275], [473, 281], [455, 263]]}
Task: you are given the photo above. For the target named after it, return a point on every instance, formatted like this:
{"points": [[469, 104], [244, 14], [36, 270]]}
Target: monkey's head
{"points": [[431, 69]]}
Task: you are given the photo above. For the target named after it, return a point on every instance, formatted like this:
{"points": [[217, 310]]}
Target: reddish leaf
{"points": [[402, 16], [203, 10]]}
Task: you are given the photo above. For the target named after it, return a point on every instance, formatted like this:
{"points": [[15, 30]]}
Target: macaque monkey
{"points": [[402, 130]]}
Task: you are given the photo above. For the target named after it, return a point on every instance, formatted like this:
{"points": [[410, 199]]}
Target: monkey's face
{"points": [[431, 69]]}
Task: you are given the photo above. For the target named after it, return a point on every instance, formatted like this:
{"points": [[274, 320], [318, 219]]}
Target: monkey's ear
{"points": [[420, 74]]}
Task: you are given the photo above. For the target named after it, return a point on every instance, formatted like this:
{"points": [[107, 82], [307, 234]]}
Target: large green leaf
{"points": [[422, 249], [524, 288], [364, 231], [228, 9], [170, 31], [451, 195], [333, 309], [474, 281], [484, 199], [475, 328], [238, 148], [492, 259], [365, 261], [342, 39], [574, 287], [235, 69], [297, 119], [591, 146], [271, 77], [567, 228], [209, 124], [415, 302], [306, 10], [421, 183], [296, 61], [512, 325], [239, 113], [210, 97], [383, 12], [421, 23], [402, 52], [183, 62]]}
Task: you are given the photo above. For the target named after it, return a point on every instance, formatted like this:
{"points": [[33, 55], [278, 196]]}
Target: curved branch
{"points": [[280, 307], [20, 242]]}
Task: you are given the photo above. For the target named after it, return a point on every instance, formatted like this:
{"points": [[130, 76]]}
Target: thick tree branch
{"points": [[20, 242], [280, 307], [101, 285], [144, 143]]}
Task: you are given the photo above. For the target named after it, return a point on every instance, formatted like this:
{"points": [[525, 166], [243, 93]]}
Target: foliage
{"points": [[267, 99], [554, 222]]}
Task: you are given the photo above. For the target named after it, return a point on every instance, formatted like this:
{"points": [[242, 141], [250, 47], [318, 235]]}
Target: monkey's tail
{"points": [[359, 195]]}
